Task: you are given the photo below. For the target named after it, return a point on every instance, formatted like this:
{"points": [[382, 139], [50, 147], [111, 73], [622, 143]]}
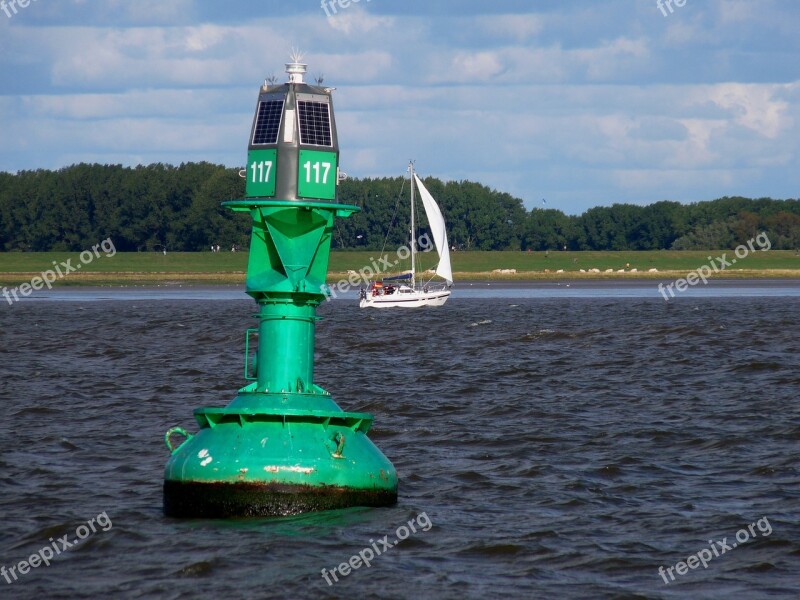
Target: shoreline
{"points": [[232, 278], [199, 281]]}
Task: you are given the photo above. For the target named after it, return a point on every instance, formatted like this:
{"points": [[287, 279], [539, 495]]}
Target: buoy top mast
{"points": [[293, 154]]}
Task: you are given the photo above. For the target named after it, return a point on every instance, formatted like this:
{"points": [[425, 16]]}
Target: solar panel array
{"points": [[315, 123], [268, 122]]}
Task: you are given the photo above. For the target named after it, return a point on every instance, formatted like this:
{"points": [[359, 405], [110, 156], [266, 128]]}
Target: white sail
{"points": [[436, 222]]}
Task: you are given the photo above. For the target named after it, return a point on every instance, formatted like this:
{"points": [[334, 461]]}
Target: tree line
{"points": [[178, 208]]}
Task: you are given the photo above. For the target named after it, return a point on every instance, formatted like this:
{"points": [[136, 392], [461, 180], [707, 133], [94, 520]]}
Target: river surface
{"points": [[547, 447]]}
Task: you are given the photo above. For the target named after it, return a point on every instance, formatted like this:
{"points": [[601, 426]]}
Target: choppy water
{"points": [[561, 448]]}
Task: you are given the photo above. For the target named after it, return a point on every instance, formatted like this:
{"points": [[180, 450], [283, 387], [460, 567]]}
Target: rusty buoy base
{"points": [[249, 462], [226, 500]]}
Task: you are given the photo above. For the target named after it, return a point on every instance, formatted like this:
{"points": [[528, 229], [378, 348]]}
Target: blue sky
{"points": [[583, 103]]}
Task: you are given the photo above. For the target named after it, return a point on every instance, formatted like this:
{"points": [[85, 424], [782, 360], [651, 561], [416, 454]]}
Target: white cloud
{"points": [[140, 12], [205, 37], [675, 183], [610, 61], [475, 66], [753, 106], [581, 106], [354, 67], [187, 103], [519, 27], [683, 32], [355, 20], [741, 11], [613, 59]]}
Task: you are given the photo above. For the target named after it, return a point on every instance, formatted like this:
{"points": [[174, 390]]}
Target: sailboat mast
{"points": [[413, 233]]}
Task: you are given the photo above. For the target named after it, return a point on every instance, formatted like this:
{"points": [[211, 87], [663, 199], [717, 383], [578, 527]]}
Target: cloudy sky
{"points": [[581, 102]]}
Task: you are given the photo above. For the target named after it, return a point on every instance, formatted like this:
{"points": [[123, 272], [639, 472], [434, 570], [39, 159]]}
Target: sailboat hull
{"points": [[415, 299]]}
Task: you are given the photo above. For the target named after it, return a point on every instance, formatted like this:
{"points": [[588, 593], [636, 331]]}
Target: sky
{"points": [[564, 104]]}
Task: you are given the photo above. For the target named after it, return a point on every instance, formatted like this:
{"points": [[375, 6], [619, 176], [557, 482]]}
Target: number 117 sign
{"points": [[316, 176], [261, 167]]}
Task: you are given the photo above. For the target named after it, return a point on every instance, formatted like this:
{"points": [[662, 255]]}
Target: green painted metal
{"points": [[262, 166], [250, 366], [317, 174], [282, 446]]}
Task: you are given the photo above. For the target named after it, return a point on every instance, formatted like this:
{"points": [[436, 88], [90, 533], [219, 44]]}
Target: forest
{"points": [[157, 207]]}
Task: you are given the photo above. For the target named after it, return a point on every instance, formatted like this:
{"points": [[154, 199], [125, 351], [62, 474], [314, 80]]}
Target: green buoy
{"points": [[283, 446]]}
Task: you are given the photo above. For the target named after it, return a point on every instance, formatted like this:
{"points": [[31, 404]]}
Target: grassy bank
{"points": [[140, 268]]}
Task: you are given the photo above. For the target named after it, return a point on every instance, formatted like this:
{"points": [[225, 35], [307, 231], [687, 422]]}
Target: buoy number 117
{"points": [[261, 170], [320, 169]]}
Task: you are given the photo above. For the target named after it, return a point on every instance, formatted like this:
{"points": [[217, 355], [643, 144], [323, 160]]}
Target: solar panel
{"points": [[315, 123], [268, 122]]}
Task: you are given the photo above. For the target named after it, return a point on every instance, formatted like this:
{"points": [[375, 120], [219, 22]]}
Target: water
{"points": [[561, 447], [718, 288]]}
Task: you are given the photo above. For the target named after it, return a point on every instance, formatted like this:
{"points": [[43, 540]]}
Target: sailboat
{"points": [[405, 290]]}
